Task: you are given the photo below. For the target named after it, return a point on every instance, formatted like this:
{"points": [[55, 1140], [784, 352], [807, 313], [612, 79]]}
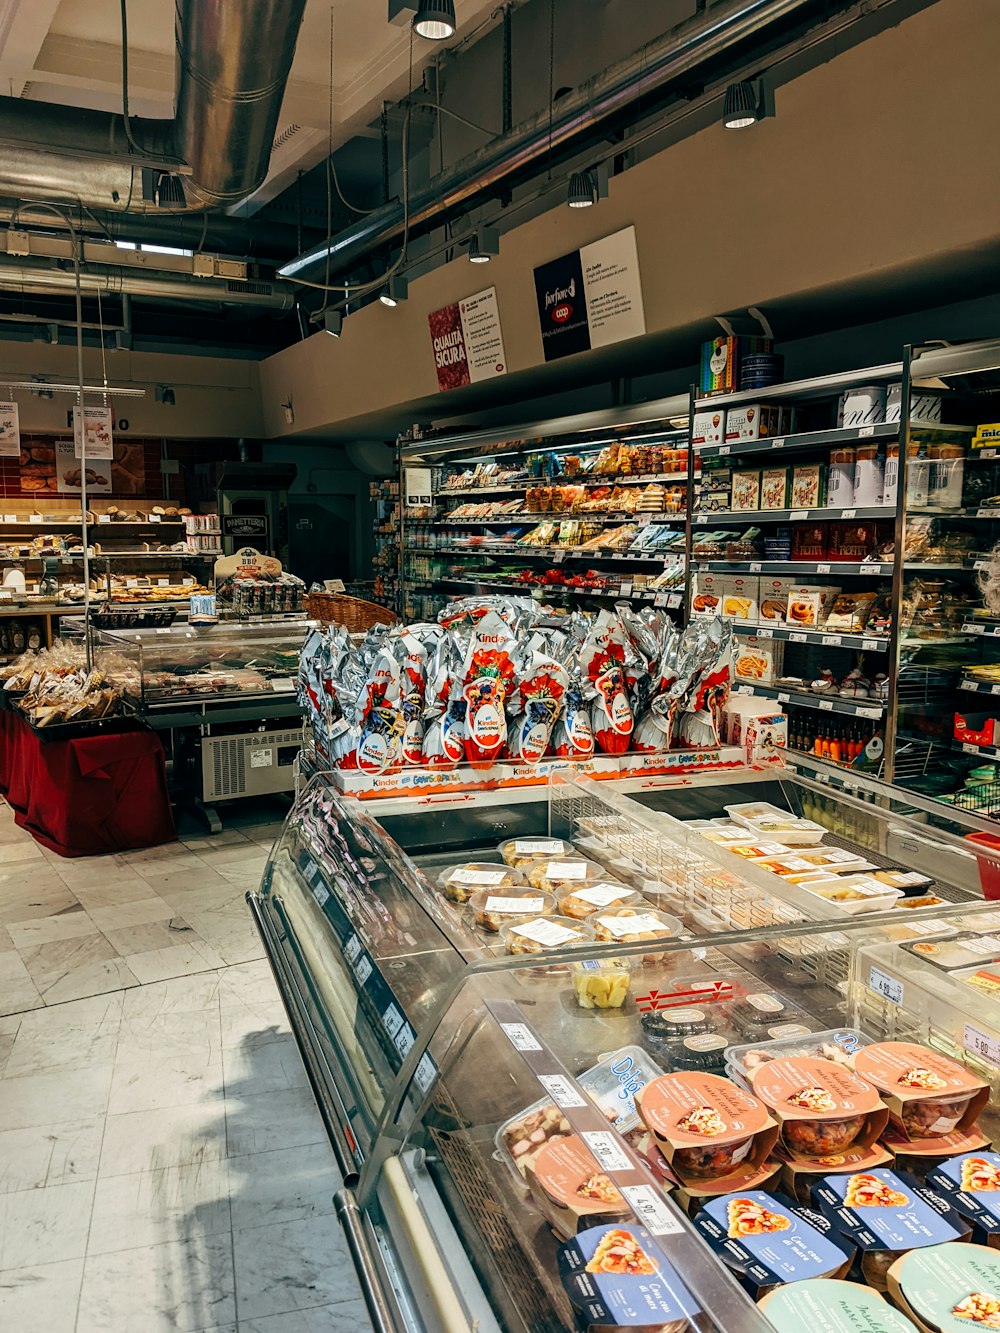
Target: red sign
{"points": [[450, 359]]}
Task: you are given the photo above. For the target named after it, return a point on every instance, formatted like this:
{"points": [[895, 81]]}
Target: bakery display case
{"points": [[483, 988]]}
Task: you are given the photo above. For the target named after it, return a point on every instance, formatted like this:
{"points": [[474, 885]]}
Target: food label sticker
{"points": [[532, 846], [282, 684], [363, 970], [525, 905], [425, 1073], [519, 1036], [486, 877], [885, 985], [619, 926], [984, 946], [982, 1044], [352, 948], [262, 758], [607, 1148], [549, 933], [392, 1020], [561, 1090], [566, 870], [652, 1210], [602, 895]]}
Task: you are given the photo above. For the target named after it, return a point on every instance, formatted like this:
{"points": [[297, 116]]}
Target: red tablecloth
{"points": [[89, 796]]}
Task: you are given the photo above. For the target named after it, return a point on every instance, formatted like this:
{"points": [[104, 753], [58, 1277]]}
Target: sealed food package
{"points": [[542, 933], [601, 983], [619, 1280], [411, 655], [821, 1107], [573, 733], [886, 1213], [948, 1288], [379, 725], [636, 925], [535, 705], [561, 874], [705, 1126], [960, 952], [443, 743], [758, 1013], [525, 851], [971, 1184], [767, 1240], [927, 1094], [833, 1305], [839, 1045], [459, 883], [586, 900], [486, 680], [603, 659], [570, 1188], [494, 908]]}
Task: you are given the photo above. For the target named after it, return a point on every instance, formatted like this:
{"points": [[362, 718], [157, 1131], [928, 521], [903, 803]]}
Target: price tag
{"points": [[131, 583], [826, 705], [995, 689], [969, 685], [34, 518], [868, 712], [607, 1148], [798, 515], [701, 518], [754, 566], [561, 1090], [104, 518], [6, 595], [987, 511], [848, 513], [163, 583], [986, 453], [155, 518], [283, 684], [970, 749], [363, 968], [864, 431], [724, 449], [403, 1039], [558, 557], [982, 1044], [832, 640], [784, 698], [871, 568], [625, 590], [652, 1210], [744, 689], [392, 1020], [778, 443], [162, 631], [764, 633], [799, 638], [885, 985], [519, 1036], [425, 1073], [353, 946], [870, 645], [660, 599], [822, 569], [674, 600], [980, 564]]}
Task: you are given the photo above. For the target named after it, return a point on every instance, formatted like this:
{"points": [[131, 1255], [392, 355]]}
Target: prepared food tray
{"points": [[521, 852], [459, 882], [494, 908]]}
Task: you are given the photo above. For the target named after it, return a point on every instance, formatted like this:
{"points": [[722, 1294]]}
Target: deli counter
{"points": [[480, 1020]]}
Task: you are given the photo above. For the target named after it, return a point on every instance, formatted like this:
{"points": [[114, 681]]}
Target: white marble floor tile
{"points": [[69, 925], [200, 842], [36, 1098], [193, 1036], [215, 896], [7, 1040], [260, 1122], [153, 1084], [217, 857], [107, 879], [247, 983], [44, 1155], [291, 1266], [179, 960], [42, 1298], [153, 935], [64, 1048], [346, 1317], [155, 1140], [179, 1203], [6, 943], [231, 933], [177, 1287], [139, 912], [74, 969], [42, 895], [166, 852], [246, 875], [50, 1223], [286, 1185], [263, 1020], [18, 852], [263, 1064], [94, 1011]]}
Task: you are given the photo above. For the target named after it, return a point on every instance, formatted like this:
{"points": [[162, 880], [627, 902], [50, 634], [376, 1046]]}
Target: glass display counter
{"points": [[447, 1057]]}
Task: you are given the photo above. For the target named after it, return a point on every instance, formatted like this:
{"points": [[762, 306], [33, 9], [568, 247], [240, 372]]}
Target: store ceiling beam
{"points": [[162, 286], [679, 53], [22, 244]]}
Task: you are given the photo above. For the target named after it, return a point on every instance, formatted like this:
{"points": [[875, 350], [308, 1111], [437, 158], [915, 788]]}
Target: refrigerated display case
{"points": [[428, 1042]]}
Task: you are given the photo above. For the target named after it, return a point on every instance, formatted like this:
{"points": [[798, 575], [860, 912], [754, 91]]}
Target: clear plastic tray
{"points": [[520, 852], [837, 1044], [459, 882], [589, 899], [871, 901], [559, 874], [542, 933], [494, 908], [768, 821], [650, 924]]}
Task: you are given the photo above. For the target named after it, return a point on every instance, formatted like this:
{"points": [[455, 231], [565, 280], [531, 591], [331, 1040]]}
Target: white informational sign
{"points": [[10, 431], [467, 340], [97, 422], [70, 472], [612, 289], [419, 487]]}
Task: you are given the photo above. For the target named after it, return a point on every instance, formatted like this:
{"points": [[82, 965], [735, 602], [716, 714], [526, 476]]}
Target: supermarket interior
{"points": [[499, 666]]}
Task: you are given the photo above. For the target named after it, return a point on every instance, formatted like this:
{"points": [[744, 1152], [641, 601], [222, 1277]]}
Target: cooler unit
{"points": [[251, 763]]}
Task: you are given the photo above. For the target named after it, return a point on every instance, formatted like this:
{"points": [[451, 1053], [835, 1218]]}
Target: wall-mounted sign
{"points": [[10, 431], [244, 525], [591, 297], [467, 340], [98, 425]]}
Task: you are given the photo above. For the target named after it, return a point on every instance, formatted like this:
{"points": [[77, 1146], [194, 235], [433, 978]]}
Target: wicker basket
{"points": [[351, 612]]}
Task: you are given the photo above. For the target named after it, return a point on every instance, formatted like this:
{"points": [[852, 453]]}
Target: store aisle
{"points": [[162, 1165]]}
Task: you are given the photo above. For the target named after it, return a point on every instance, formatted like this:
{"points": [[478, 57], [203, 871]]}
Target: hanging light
{"points": [[394, 291], [743, 105], [483, 245], [582, 191], [435, 19], [333, 323]]}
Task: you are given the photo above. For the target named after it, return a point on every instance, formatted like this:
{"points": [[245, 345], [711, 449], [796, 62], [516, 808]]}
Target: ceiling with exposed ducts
{"points": [[225, 152]]}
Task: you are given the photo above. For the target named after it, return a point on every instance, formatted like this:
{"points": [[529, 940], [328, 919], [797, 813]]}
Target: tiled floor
{"points": [[162, 1166]]}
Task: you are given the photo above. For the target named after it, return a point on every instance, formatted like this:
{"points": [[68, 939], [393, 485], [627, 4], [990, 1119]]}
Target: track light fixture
{"points": [[746, 103], [435, 19], [165, 395], [582, 191], [483, 245], [394, 291], [333, 323]]}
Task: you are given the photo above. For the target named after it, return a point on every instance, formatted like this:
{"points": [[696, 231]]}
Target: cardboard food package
{"points": [[739, 598], [808, 607], [755, 421], [758, 661]]}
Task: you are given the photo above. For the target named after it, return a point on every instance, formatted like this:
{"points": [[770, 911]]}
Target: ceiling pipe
{"points": [[584, 112], [164, 286], [233, 62]]}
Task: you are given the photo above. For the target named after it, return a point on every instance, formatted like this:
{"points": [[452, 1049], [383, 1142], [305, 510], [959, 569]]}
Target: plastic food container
{"points": [[459, 883], [584, 901], [710, 1161], [601, 983], [856, 893], [926, 1092], [756, 1014], [520, 852], [494, 908], [769, 821], [822, 1107], [559, 874], [839, 1045], [634, 925], [542, 933]]}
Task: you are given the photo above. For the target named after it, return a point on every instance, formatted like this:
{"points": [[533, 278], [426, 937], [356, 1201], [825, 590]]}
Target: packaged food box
{"points": [[755, 421], [840, 477], [975, 728], [459, 883], [865, 406], [952, 955], [619, 1281], [852, 541], [520, 852], [493, 909], [746, 491], [837, 1045], [693, 1195], [948, 1288], [540, 933], [920, 1155], [821, 1107], [773, 599], [587, 899], [808, 486], [927, 1093], [715, 480], [799, 1174], [739, 598], [601, 983], [809, 540], [885, 1214], [706, 597], [775, 488], [854, 894], [571, 1189], [705, 1126], [759, 661], [708, 427], [766, 738], [766, 1240], [721, 360], [832, 1305], [971, 1184], [633, 925], [560, 873], [808, 606], [766, 820], [740, 710]]}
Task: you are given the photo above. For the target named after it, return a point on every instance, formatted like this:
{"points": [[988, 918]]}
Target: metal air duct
{"points": [[164, 286], [232, 66], [708, 36]]}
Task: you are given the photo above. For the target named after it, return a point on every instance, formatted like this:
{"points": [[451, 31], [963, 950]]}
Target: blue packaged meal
{"points": [[768, 1240], [617, 1277], [971, 1184]]}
